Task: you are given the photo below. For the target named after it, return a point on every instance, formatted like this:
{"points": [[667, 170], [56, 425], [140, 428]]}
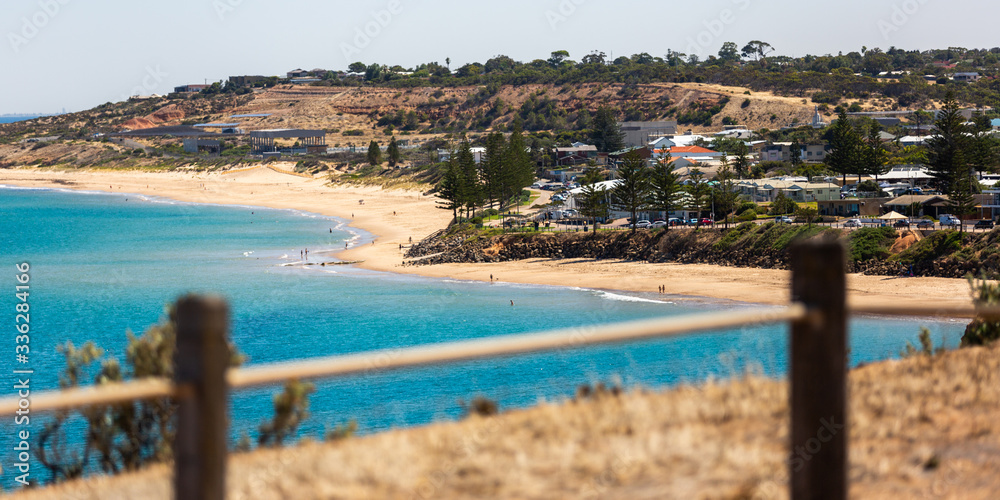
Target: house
{"points": [[246, 80], [692, 151], [195, 87], [915, 205], [887, 121], [641, 133], [195, 145], [477, 154], [815, 153], [777, 151], [913, 140], [914, 175], [298, 73], [970, 77], [740, 133], [868, 207], [575, 155], [662, 143], [643, 152], [766, 190]]}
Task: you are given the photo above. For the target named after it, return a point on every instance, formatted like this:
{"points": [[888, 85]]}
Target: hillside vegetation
{"points": [[870, 250], [922, 426]]}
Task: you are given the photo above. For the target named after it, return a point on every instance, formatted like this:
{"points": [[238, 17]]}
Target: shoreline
{"points": [[392, 217]]}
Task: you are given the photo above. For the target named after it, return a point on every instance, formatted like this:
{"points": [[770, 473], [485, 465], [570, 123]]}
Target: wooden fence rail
{"points": [[817, 369]]}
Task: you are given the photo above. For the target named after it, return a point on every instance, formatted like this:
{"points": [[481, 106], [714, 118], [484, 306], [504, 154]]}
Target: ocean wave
{"points": [[629, 298]]}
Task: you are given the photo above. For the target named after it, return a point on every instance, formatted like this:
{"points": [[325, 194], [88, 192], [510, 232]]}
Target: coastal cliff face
{"points": [[947, 255]]}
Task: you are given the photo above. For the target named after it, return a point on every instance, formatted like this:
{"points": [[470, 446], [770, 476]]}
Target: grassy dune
{"points": [[920, 427]]}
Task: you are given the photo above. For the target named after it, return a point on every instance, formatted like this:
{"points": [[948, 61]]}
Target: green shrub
{"points": [[748, 205], [783, 205], [734, 235], [980, 331], [938, 244], [869, 243], [747, 215]]}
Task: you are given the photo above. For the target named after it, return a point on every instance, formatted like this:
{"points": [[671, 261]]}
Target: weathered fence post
{"points": [[200, 363], [818, 371]]}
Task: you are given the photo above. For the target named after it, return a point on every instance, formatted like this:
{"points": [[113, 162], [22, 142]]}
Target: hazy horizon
{"points": [[67, 54]]}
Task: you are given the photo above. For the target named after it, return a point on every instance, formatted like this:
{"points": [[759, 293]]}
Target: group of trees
{"points": [[843, 75], [658, 188], [856, 148], [392, 153], [955, 153], [505, 169]]}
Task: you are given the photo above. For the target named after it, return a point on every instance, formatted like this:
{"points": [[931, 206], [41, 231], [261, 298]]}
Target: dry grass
{"points": [[921, 427]]}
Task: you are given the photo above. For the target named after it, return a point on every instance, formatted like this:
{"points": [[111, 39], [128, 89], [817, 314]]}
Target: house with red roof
{"points": [[693, 151]]}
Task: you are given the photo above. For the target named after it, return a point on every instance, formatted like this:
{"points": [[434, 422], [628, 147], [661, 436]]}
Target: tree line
{"points": [[504, 170], [657, 188]]}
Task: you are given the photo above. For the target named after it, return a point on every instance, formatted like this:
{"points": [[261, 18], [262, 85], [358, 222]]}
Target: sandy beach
{"points": [[395, 216]]}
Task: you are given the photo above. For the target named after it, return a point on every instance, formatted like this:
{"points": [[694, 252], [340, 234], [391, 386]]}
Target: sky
{"points": [[74, 55]]}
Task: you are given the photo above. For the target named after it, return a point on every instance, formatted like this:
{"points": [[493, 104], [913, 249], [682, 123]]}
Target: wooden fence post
{"points": [[200, 363], [818, 371]]}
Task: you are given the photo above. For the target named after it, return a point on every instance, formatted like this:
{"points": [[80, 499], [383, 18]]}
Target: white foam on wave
{"points": [[629, 298]]}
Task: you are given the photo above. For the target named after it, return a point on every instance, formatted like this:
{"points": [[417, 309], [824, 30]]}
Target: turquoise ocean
{"points": [[105, 264]]}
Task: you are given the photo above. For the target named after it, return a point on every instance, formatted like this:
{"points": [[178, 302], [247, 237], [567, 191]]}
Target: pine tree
{"points": [[741, 160], [492, 167], [875, 157], [725, 193], [665, 188], [632, 191], [961, 201], [472, 190], [374, 154], [982, 155], [593, 200], [519, 169], [844, 157], [393, 152], [947, 148], [449, 189], [605, 133]]}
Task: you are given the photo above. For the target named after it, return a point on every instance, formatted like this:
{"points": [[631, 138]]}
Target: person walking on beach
{"points": [[307, 254], [301, 257]]}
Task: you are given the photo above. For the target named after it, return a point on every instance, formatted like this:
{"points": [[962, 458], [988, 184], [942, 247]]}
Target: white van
{"points": [[949, 220]]}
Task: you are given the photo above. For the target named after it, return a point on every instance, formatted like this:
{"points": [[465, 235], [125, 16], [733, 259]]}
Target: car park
{"points": [[925, 224], [852, 223], [984, 224]]}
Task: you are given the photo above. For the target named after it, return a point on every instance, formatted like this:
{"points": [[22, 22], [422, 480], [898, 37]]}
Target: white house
{"points": [[766, 190]]}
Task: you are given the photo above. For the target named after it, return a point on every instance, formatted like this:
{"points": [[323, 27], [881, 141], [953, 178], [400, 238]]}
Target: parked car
{"points": [[852, 223], [783, 219], [983, 224], [659, 223], [925, 224], [705, 221], [692, 222], [643, 224], [901, 223], [949, 220], [675, 222]]}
